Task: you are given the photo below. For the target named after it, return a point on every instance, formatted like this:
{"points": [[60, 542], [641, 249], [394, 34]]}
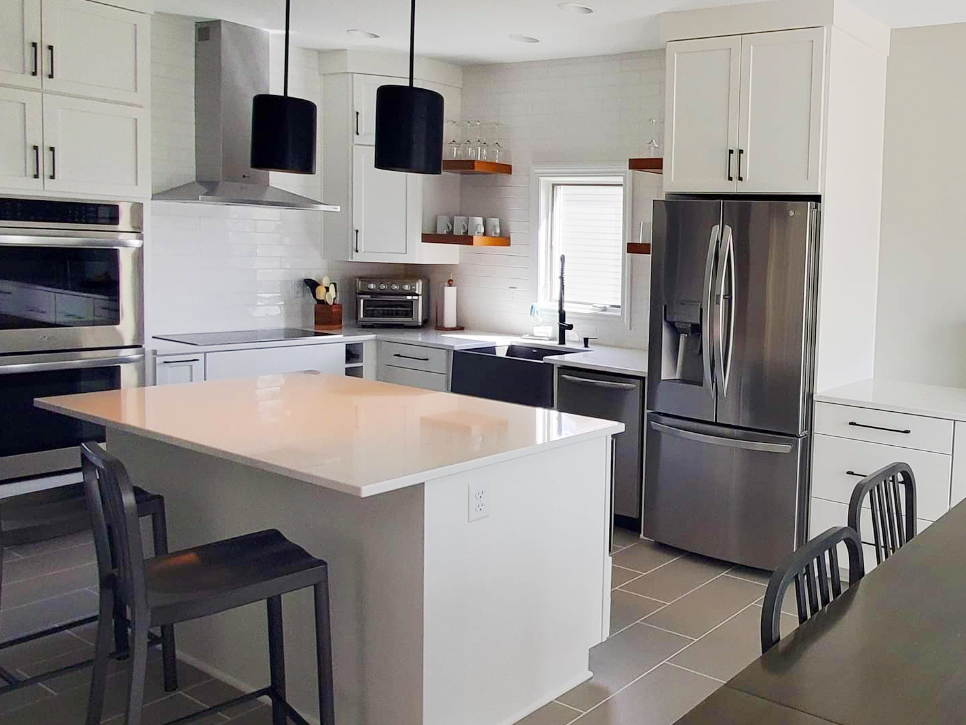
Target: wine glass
{"points": [[470, 149], [453, 146], [481, 148], [497, 151]]}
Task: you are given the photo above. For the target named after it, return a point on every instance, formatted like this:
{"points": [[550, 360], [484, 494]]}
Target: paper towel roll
{"points": [[449, 306]]}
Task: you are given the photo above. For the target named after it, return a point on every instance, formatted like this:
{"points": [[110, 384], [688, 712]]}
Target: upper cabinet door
{"points": [[701, 123], [21, 139], [780, 130], [379, 210], [20, 43], [96, 51], [96, 148], [364, 106]]}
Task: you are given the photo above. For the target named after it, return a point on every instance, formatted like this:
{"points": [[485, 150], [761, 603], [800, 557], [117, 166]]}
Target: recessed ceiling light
{"points": [[576, 8], [524, 39], [362, 33]]}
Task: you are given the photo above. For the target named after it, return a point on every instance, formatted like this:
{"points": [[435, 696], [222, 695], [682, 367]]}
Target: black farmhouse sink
{"points": [[513, 374]]}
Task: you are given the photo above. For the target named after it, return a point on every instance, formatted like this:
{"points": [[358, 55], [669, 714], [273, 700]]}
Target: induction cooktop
{"points": [[241, 337]]}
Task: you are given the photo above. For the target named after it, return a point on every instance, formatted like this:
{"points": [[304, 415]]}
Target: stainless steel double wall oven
{"points": [[71, 321]]}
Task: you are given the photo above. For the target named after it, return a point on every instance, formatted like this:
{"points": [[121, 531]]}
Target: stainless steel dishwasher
{"points": [[619, 398]]}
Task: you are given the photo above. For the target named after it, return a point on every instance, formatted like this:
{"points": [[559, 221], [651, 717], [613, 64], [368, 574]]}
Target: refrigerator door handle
{"points": [[706, 318], [723, 359], [718, 441]]}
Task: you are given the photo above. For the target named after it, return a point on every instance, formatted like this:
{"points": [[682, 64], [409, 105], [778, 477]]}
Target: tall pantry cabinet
{"points": [[74, 98]]}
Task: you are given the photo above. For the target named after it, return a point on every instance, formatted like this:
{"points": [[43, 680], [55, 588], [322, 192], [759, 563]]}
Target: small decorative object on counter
{"points": [[449, 309], [328, 311]]}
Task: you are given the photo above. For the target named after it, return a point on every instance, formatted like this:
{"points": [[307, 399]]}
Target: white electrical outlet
{"points": [[479, 502]]}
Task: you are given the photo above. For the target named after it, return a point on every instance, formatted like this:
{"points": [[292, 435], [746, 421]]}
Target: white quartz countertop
{"points": [[609, 359], [352, 435], [915, 398]]}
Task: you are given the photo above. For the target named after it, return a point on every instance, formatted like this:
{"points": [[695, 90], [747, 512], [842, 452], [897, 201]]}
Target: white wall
{"points": [[212, 268], [921, 318], [580, 110]]}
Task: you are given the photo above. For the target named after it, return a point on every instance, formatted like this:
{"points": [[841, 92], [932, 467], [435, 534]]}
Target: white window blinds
{"points": [[587, 226]]}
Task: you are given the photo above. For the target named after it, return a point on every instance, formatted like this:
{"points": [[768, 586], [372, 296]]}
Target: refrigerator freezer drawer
{"points": [[729, 494]]}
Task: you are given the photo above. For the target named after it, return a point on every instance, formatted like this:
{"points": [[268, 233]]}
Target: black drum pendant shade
{"points": [[283, 134], [409, 130], [283, 127], [409, 123]]}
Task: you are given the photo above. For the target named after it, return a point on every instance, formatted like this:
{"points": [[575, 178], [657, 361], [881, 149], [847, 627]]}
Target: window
{"points": [[581, 217]]}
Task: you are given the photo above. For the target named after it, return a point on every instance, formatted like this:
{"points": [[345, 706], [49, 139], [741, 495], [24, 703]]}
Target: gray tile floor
{"points": [[681, 625]]}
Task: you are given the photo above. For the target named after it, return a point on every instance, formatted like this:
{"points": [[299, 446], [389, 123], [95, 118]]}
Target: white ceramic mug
{"points": [[476, 226], [444, 224], [460, 224], [492, 227]]}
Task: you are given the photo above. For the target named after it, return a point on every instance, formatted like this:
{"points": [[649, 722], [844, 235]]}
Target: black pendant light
{"points": [[283, 128], [409, 123]]}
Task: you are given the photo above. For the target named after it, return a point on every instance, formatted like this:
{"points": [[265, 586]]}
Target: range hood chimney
{"points": [[231, 67]]}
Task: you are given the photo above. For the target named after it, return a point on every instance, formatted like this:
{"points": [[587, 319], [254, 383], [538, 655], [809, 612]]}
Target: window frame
{"points": [[543, 180]]}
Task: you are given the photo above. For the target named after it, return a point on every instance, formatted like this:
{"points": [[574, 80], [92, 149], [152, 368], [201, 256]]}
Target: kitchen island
{"points": [[446, 607]]}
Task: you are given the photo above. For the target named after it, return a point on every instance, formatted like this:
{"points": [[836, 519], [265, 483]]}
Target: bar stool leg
{"points": [[323, 652], [276, 658], [102, 654], [169, 660], [137, 672]]}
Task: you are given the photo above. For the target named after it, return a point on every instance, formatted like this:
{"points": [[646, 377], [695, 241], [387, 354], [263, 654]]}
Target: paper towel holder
{"points": [[439, 313]]}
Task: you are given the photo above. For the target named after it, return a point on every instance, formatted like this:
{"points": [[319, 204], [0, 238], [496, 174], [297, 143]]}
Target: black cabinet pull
{"points": [[741, 152], [50, 73], [876, 427], [176, 362], [853, 473], [53, 162], [36, 66], [36, 161], [357, 241], [731, 155], [411, 357], [357, 123]]}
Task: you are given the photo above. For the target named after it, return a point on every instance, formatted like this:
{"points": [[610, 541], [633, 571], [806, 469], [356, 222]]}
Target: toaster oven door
{"points": [[389, 310]]}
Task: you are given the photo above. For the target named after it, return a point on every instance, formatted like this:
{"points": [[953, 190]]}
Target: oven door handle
{"points": [[76, 364], [89, 240], [390, 298]]}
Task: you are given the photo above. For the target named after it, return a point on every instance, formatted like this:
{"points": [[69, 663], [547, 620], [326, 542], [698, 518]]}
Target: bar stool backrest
{"points": [[892, 497], [814, 568], [114, 519]]}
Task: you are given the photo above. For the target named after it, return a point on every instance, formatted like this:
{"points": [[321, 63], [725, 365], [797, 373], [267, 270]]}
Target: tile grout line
{"points": [[59, 572], [669, 631], [199, 702], [642, 596], [649, 571], [694, 672], [570, 707], [12, 550], [48, 599]]}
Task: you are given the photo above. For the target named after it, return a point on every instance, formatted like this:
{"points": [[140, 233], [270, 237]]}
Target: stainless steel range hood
{"points": [[231, 66]]}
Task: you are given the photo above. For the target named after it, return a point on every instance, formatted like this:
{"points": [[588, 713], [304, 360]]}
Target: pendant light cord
{"points": [[412, 42], [288, 16]]}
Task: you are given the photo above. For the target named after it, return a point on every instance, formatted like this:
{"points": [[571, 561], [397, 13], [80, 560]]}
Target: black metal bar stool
{"points": [[892, 496], [43, 515], [194, 583]]}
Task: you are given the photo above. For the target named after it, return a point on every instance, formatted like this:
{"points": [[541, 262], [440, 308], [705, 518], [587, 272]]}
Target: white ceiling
{"points": [[477, 31]]}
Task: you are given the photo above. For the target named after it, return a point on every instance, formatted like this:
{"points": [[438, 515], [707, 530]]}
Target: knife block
{"points": [[328, 317]]}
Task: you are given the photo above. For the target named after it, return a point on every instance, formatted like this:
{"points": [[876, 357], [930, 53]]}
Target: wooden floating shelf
{"points": [[459, 166], [466, 240], [650, 165], [638, 248]]}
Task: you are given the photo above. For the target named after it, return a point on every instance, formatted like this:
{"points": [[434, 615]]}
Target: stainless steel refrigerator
{"points": [[730, 370]]}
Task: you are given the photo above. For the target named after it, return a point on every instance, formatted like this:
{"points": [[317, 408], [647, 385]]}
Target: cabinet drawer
{"points": [[880, 426], [826, 514], [413, 378], [833, 458], [324, 358], [414, 357]]}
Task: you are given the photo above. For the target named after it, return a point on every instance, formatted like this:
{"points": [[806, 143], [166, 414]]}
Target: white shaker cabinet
{"points": [[96, 148], [20, 43], [364, 106], [174, 369], [380, 209], [702, 114], [745, 113], [328, 358], [96, 51], [21, 139]]}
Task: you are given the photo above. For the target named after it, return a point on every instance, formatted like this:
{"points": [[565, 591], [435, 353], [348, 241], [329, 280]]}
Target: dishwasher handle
{"points": [[598, 383]]}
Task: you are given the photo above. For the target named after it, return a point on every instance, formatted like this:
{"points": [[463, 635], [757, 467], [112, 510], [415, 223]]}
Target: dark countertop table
{"points": [[891, 649]]}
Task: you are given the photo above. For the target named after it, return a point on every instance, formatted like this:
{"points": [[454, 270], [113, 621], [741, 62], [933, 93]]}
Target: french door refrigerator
{"points": [[731, 350]]}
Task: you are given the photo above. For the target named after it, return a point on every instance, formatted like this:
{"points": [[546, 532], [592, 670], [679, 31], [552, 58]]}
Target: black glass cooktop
{"points": [[242, 336]]}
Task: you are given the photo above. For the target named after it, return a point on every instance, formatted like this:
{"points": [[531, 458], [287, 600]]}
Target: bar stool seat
{"points": [[226, 574]]}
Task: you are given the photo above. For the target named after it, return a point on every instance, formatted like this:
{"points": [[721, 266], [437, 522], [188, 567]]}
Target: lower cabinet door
{"points": [[328, 358], [413, 378], [174, 370]]}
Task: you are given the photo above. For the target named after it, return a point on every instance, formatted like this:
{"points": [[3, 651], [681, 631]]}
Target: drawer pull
{"points": [[853, 473], [176, 362], [410, 357], [877, 427]]}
